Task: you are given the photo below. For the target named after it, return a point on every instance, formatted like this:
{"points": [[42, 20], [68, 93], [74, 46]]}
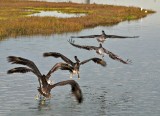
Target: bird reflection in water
{"points": [[44, 104]]}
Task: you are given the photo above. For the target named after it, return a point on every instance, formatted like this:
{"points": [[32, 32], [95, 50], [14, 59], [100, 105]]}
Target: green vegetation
{"points": [[14, 19]]}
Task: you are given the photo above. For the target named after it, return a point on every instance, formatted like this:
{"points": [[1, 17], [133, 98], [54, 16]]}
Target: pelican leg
{"points": [[78, 76], [41, 97], [71, 75], [44, 98]]}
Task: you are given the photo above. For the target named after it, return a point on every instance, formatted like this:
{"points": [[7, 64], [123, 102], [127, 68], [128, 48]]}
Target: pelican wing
{"points": [[57, 55], [23, 70], [62, 66], [74, 86], [19, 70], [82, 46], [96, 60], [117, 36], [23, 61], [116, 57], [87, 36]]}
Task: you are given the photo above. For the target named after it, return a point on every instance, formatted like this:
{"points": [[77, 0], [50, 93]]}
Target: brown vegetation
{"points": [[14, 19]]}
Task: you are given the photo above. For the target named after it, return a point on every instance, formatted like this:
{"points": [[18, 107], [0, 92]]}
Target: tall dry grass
{"points": [[15, 22]]}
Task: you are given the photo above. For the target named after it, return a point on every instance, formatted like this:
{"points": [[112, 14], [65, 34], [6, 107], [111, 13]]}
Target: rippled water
{"points": [[117, 90]]}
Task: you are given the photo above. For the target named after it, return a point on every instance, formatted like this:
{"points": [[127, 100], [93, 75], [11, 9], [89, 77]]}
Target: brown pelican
{"points": [[74, 65], [44, 87], [101, 51], [101, 38]]}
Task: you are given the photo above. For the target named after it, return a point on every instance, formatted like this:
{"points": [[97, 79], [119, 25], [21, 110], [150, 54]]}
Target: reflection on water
{"points": [[44, 105], [57, 14], [117, 90]]}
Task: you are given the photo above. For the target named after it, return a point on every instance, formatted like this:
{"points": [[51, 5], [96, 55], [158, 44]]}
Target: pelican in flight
{"points": [[44, 86], [101, 51], [101, 38], [74, 66]]}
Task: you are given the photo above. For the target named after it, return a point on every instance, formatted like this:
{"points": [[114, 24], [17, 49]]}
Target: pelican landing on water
{"points": [[101, 38], [101, 51], [44, 86], [74, 66]]}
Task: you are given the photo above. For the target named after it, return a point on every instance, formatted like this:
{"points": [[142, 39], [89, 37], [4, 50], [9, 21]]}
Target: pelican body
{"points": [[44, 87], [100, 50], [103, 37], [74, 66]]}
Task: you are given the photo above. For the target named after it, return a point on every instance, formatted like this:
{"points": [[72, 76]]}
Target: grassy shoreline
{"points": [[14, 19]]}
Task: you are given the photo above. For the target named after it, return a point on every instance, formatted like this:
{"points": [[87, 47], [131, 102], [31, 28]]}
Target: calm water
{"points": [[117, 90], [57, 14]]}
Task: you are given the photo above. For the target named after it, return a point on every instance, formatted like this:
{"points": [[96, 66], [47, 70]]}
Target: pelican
{"points": [[74, 66], [100, 50], [101, 38], [44, 87]]}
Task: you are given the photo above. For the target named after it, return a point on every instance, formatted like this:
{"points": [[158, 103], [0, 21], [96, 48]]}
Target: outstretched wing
{"points": [[96, 60], [116, 57], [19, 70], [117, 36], [82, 46], [23, 70], [87, 36], [23, 61], [74, 86], [62, 66], [57, 55]]}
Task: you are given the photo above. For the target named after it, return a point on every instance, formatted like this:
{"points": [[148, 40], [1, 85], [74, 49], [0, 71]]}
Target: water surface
{"points": [[57, 14], [117, 90]]}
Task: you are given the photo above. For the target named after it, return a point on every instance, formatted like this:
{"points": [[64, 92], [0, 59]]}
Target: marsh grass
{"points": [[14, 19]]}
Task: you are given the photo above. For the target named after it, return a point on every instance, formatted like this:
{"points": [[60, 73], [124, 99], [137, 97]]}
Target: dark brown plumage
{"points": [[30, 64], [45, 87], [74, 65], [101, 51], [101, 38]]}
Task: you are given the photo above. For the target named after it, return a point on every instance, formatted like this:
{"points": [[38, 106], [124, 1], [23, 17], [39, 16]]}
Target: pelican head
{"points": [[77, 60], [103, 32], [100, 45]]}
